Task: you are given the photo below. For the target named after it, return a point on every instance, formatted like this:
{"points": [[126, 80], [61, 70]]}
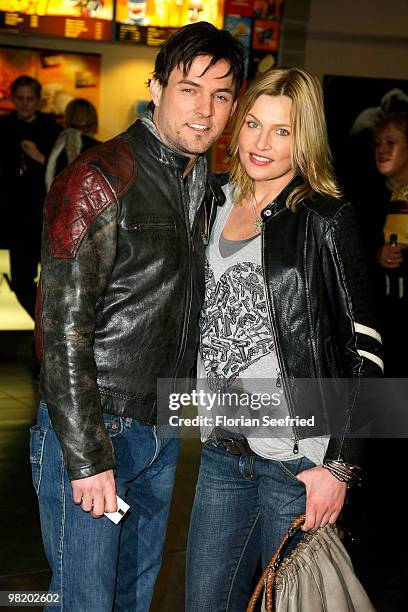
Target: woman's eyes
{"points": [[280, 131], [389, 143]]}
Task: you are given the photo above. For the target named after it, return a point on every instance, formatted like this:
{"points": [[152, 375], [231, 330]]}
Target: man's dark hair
{"points": [[196, 39], [26, 81]]}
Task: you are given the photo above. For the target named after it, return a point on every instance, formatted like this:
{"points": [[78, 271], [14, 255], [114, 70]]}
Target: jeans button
{"points": [[114, 426]]}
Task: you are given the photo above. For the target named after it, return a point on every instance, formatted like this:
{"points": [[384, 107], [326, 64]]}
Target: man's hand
{"points": [[96, 494], [325, 496], [391, 257], [30, 148]]}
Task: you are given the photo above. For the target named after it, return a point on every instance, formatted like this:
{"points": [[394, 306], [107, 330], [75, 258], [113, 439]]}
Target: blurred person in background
{"points": [[391, 157], [81, 123], [26, 139], [387, 238]]}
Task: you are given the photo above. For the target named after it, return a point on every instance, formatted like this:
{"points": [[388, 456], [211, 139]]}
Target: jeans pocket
{"points": [[292, 468], [114, 425], [37, 440]]}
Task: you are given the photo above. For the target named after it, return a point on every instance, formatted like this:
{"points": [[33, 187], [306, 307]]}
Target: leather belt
{"points": [[235, 445]]}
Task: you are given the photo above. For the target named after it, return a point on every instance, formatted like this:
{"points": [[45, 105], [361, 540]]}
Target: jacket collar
{"points": [[215, 182], [279, 203], [156, 148]]}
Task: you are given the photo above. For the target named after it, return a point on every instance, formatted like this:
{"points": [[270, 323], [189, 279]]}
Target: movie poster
{"points": [[63, 76], [100, 9], [169, 13]]}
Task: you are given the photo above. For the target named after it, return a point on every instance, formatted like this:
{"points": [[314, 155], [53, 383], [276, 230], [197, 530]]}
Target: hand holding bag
{"points": [[317, 576]]}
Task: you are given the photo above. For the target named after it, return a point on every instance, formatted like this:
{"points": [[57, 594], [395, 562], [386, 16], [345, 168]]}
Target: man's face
{"points": [[25, 102], [191, 111]]}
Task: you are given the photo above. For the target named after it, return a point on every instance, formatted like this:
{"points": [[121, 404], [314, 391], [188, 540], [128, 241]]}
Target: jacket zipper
{"points": [[206, 234], [280, 380], [151, 226], [186, 325]]}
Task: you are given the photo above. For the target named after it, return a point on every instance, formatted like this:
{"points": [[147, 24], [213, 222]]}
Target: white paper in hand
{"points": [[117, 516]]}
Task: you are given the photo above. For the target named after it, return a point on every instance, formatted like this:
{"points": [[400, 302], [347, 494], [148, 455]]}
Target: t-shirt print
{"points": [[234, 323]]}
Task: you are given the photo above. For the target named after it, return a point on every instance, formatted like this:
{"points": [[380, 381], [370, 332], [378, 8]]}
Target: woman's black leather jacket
{"points": [[321, 309]]}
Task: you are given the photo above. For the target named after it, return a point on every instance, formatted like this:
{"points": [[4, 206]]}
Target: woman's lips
{"points": [[259, 160]]}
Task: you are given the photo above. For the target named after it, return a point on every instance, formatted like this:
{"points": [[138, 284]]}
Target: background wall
{"points": [[347, 37], [125, 69], [358, 38]]}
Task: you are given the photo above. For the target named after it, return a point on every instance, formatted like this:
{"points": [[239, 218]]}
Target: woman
{"points": [[286, 298], [81, 123], [388, 585]]}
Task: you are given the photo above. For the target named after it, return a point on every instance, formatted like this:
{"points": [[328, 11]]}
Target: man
{"points": [[26, 139], [121, 289]]}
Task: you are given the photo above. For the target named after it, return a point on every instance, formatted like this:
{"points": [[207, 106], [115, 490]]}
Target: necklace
{"points": [[258, 223]]}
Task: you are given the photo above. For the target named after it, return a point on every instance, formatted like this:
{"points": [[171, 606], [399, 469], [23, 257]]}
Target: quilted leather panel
{"points": [[83, 191]]}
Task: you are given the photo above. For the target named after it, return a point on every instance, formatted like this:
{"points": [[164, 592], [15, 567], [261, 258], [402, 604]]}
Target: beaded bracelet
{"points": [[349, 474]]}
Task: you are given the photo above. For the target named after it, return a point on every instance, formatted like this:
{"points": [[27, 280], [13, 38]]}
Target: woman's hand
{"points": [[325, 496], [390, 256]]}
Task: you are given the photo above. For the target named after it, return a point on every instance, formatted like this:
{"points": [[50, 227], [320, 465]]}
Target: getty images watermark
{"points": [[215, 403], [340, 407]]}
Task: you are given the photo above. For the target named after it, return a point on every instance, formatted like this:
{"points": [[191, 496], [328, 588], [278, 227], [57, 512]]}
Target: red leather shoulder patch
{"points": [[76, 198], [83, 191], [116, 161]]}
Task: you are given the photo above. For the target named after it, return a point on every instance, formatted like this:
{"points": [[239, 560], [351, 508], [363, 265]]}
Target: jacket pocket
{"points": [[150, 225], [37, 441], [330, 352]]}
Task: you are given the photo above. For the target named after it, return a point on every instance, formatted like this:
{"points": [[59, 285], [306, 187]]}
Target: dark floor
{"points": [[379, 554], [23, 565]]}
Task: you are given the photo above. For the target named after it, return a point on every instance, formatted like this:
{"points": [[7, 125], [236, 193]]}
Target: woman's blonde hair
{"points": [[311, 157]]}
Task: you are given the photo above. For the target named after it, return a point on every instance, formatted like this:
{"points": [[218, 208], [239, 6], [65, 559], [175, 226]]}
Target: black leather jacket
{"points": [[321, 311], [121, 289]]}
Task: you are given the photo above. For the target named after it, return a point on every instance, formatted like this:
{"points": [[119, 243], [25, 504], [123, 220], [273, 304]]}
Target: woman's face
{"points": [[391, 152], [265, 140]]}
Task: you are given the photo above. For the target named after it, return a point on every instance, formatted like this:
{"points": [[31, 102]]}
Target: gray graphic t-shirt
{"points": [[237, 352]]}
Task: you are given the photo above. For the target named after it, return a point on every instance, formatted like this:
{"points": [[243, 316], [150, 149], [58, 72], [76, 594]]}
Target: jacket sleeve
{"points": [[359, 345], [79, 245]]}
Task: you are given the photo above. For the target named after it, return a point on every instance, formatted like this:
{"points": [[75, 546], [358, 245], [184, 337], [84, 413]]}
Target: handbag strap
{"points": [[268, 577]]}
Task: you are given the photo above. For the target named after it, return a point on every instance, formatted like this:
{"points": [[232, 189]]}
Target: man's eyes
{"points": [[223, 97]]}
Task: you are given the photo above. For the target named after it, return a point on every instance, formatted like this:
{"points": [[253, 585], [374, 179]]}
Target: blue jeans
{"points": [[242, 508], [96, 565]]}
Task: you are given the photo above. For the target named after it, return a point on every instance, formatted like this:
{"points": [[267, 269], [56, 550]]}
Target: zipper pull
{"points": [[296, 447], [278, 378], [204, 238]]}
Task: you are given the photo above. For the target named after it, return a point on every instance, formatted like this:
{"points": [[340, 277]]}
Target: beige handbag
{"points": [[317, 576]]}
